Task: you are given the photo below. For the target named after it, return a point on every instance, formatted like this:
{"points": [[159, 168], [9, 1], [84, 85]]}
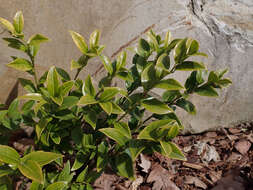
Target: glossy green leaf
{"points": [[123, 128], [7, 25], [9, 155], [13, 111], [206, 91], [39, 128], [143, 48], [79, 41], [106, 106], [136, 146], [107, 63], [36, 186], [58, 99], [66, 87], [80, 160], [149, 132], [21, 64], [166, 147], [169, 84], [190, 66], [88, 87], [32, 96], [186, 105], [124, 165], [108, 93], [37, 39], [115, 134], [55, 137], [173, 132], [152, 39], [65, 173], [27, 85], [121, 60], [86, 100], [176, 152], [224, 82], [41, 157], [60, 185], [63, 74], [170, 95], [94, 39], [116, 109], [91, 118], [167, 39], [213, 77], [163, 62], [68, 102], [155, 106], [125, 76], [193, 48], [180, 51], [18, 22], [15, 43], [81, 177], [102, 156], [32, 170], [53, 82], [148, 74]]}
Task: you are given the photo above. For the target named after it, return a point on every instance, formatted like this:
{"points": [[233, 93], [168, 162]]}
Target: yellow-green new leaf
{"points": [[107, 63], [18, 22], [121, 60], [37, 39], [53, 82], [116, 109], [75, 65], [32, 96], [66, 87], [169, 84], [86, 100], [176, 153], [60, 185], [79, 41], [7, 25], [109, 93], [94, 39], [21, 64], [41, 157], [106, 106], [9, 155], [88, 87], [123, 127], [155, 106], [31, 170], [166, 147]]}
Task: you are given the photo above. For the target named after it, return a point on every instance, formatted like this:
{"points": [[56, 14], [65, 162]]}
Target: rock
{"points": [[243, 146]]}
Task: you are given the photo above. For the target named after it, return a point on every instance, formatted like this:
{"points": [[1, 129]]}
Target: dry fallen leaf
{"points": [[145, 163], [136, 183], [161, 179], [215, 176], [207, 152], [243, 146], [196, 181], [105, 182]]}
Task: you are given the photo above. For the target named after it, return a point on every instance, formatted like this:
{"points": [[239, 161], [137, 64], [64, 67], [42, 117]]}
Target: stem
{"points": [[147, 119], [77, 73]]}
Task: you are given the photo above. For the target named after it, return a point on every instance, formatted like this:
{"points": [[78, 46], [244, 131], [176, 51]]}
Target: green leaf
{"points": [[169, 84], [143, 48], [86, 100], [32, 170], [39, 128], [13, 111], [115, 134], [27, 85], [9, 155], [58, 99], [94, 39], [18, 22], [148, 74], [32, 96], [108, 93], [81, 177], [186, 105], [206, 91], [123, 128], [107, 63], [75, 65], [79, 161], [125, 76], [167, 39], [121, 60], [170, 95], [68, 102], [7, 25], [63, 74], [5, 170], [190, 66], [66, 87], [194, 47], [15, 43], [34, 43], [124, 164], [176, 152], [55, 137], [152, 39], [163, 62], [136, 146], [21, 64], [79, 41], [116, 109], [213, 77], [41, 157], [102, 156], [36, 186], [166, 147], [155, 106], [60, 185], [180, 51], [224, 82], [150, 131], [91, 118], [65, 173], [106, 106], [88, 87], [173, 132], [53, 82]]}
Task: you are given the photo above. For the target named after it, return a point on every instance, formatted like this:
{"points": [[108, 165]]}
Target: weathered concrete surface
{"points": [[224, 29]]}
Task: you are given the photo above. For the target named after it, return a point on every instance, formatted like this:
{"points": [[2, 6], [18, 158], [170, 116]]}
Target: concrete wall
{"points": [[224, 29]]}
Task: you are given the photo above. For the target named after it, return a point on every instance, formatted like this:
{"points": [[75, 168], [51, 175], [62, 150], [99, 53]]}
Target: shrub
{"points": [[82, 130]]}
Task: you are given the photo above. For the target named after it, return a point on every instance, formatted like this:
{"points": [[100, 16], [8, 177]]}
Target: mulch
{"points": [[217, 160]]}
